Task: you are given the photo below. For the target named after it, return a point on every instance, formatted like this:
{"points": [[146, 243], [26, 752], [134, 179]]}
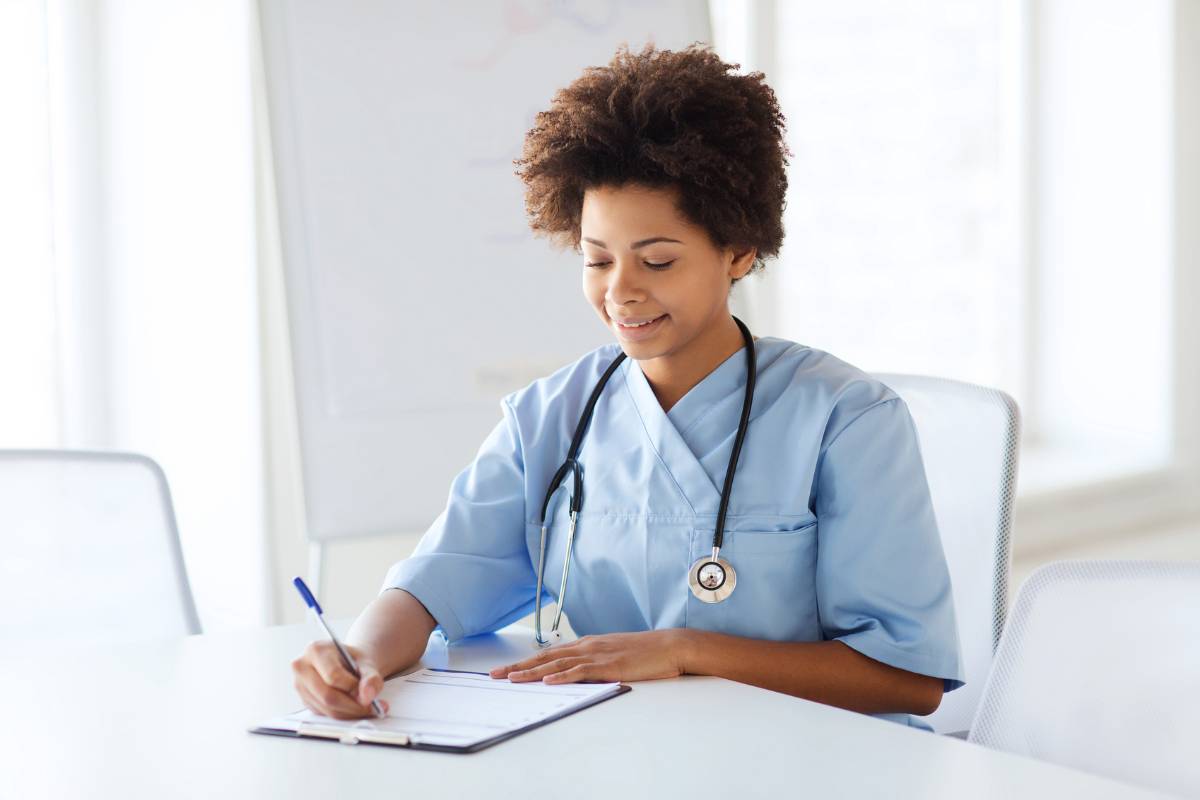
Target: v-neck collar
{"points": [[663, 429], [728, 376]]}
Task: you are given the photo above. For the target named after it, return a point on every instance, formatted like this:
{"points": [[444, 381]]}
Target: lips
{"points": [[636, 322], [630, 330]]}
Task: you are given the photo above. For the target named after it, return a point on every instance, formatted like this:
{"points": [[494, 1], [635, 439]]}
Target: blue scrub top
{"points": [[830, 525]]}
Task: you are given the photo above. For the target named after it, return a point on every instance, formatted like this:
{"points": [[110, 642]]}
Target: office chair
{"points": [[89, 550], [1099, 669], [969, 437]]}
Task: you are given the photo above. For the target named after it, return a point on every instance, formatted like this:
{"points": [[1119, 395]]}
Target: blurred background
{"points": [[1004, 192]]}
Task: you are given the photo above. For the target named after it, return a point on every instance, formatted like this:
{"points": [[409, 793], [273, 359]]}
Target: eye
{"points": [[650, 264]]}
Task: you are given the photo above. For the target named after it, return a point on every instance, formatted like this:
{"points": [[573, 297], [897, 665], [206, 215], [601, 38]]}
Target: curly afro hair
{"points": [[663, 119]]}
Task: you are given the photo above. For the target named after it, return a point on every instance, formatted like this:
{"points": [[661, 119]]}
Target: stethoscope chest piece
{"points": [[711, 579]]}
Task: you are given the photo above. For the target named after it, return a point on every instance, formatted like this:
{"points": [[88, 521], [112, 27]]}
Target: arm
{"points": [[827, 672], [392, 631]]}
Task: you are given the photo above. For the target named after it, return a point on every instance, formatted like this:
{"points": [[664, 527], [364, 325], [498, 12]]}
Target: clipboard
{"points": [[363, 732]]}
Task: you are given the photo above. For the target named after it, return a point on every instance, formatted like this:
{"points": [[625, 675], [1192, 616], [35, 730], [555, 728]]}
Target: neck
{"points": [[672, 376]]}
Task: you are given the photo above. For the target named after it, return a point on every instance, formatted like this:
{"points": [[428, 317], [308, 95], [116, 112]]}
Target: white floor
{"points": [[1180, 542]]}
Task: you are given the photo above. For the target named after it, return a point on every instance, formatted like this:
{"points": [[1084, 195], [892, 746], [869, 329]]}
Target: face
{"points": [[645, 263]]}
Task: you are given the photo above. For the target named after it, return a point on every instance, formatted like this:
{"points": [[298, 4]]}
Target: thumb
{"points": [[370, 684]]}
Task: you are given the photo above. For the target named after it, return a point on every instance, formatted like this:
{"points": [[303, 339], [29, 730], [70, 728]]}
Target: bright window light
{"points": [[28, 363]]}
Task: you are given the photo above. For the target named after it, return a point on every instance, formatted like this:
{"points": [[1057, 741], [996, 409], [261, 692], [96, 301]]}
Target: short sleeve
{"points": [[883, 587], [472, 569]]}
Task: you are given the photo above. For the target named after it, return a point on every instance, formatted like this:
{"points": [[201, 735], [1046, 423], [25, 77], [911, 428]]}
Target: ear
{"points": [[741, 261]]}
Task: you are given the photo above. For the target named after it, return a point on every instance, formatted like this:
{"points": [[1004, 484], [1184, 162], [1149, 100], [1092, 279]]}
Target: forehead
{"points": [[630, 210]]}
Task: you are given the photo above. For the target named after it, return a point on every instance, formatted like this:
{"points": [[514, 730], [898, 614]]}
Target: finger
{"points": [[503, 671], [333, 701], [311, 703], [536, 660], [329, 665], [540, 671], [579, 672], [543, 656], [318, 707]]}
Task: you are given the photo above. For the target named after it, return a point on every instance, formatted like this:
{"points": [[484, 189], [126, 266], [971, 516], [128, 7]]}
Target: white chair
{"points": [[89, 549], [969, 437], [1099, 669]]}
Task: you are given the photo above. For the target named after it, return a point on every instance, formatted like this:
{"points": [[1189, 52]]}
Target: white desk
{"points": [[170, 719]]}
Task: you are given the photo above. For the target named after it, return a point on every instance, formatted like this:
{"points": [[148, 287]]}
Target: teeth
{"points": [[637, 324]]}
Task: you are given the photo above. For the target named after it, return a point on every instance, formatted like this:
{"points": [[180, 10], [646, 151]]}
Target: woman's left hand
{"points": [[603, 658]]}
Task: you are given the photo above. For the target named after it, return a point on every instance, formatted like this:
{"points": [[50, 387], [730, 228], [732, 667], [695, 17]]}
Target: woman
{"points": [[666, 171]]}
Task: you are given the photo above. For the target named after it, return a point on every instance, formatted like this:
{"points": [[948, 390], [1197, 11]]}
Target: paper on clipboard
{"points": [[450, 709]]}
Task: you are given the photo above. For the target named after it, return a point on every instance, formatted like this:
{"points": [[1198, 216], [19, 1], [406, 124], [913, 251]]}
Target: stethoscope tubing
{"points": [[743, 425], [572, 465]]}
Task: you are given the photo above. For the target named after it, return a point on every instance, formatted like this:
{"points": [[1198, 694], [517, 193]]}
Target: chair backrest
{"points": [[969, 437], [1099, 669], [89, 549]]}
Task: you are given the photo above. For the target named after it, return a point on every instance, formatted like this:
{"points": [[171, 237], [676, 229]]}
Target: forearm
{"points": [[394, 629], [827, 672]]}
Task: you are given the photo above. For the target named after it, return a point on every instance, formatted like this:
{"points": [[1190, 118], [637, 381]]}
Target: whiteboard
{"points": [[417, 296]]}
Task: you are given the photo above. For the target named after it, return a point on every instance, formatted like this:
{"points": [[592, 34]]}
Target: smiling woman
{"points": [[678, 147], [755, 509], [683, 120], [665, 297]]}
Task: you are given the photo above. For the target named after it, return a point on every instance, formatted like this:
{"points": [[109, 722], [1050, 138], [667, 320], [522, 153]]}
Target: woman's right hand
{"points": [[328, 688]]}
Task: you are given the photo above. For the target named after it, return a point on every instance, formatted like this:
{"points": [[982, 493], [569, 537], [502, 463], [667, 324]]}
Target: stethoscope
{"points": [[711, 578]]}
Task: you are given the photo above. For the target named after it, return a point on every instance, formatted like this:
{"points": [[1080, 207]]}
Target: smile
{"points": [[636, 331], [641, 324]]}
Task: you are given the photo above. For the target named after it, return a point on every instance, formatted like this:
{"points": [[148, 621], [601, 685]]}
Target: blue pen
{"points": [[316, 609]]}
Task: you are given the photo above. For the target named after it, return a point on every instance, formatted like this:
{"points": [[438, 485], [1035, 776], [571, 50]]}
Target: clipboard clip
{"points": [[363, 732]]}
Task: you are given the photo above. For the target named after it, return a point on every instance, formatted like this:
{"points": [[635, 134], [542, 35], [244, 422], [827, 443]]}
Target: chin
{"points": [[643, 351]]}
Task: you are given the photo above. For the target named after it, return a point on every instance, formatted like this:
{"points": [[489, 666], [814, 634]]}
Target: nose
{"points": [[624, 285]]}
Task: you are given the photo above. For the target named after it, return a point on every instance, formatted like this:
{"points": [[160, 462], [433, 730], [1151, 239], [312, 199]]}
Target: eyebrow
{"points": [[635, 245]]}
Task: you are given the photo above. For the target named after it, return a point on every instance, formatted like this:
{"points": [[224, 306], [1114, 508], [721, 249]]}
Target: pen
{"points": [[316, 609]]}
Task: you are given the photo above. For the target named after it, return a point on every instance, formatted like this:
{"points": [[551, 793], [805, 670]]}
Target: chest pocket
{"points": [[775, 597]]}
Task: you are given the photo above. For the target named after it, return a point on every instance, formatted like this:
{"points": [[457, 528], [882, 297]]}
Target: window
{"points": [[984, 191], [28, 358], [128, 281]]}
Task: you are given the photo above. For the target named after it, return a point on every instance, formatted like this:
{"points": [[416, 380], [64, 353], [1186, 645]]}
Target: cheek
{"points": [[679, 296], [712, 289]]}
